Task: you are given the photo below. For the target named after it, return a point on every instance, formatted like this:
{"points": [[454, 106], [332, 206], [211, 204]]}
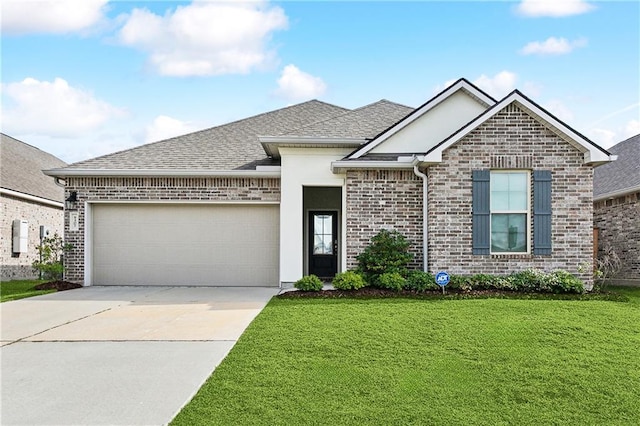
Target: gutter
{"points": [[161, 173], [425, 211], [616, 194], [31, 198]]}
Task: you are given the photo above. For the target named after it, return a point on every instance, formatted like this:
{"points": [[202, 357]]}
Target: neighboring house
{"points": [[616, 208], [32, 199], [476, 185]]}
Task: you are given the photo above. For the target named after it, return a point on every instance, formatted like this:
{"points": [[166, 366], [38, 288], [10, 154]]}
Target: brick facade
{"points": [[156, 189], [36, 214], [510, 139], [618, 221], [383, 199]]}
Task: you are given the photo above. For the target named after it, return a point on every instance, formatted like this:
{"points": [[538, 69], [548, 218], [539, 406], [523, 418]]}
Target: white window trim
{"points": [[527, 212]]}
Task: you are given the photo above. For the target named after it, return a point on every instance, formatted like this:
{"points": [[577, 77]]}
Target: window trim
{"points": [[528, 212]]}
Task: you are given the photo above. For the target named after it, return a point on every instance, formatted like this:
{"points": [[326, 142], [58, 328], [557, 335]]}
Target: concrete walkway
{"points": [[116, 355]]}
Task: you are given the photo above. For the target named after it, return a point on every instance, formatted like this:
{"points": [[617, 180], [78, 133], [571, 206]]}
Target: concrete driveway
{"points": [[116, 355]]}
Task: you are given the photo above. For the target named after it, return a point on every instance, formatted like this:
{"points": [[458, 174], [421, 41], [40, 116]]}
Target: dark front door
{"points": [[323, 243]]}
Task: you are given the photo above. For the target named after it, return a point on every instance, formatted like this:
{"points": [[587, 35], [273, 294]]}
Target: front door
{"points": [[323, 243]]}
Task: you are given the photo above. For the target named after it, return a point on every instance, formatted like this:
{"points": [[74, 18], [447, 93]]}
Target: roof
{"points": [[621, 176], [21, 169], [362, 123], [232, 146]]}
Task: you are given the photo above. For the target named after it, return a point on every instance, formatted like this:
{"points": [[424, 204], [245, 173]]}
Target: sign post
{"points": [[442, 279]]}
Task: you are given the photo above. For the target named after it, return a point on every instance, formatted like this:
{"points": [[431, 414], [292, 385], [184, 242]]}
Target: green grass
{"points": [[442, 362], [20, 289]]}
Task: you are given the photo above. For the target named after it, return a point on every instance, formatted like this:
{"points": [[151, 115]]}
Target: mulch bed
{"points": [[377, 293], [57, 285], [370, 292]]}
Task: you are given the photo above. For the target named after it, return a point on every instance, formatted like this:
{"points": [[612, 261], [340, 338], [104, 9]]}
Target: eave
{"points": [[272, 144], [267, 172]]}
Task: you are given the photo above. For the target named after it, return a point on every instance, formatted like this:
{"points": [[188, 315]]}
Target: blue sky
{"points": [[82, 78]]}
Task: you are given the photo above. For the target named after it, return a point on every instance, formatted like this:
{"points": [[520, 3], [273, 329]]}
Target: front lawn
{"points": [[427, 361], [19, 289]]}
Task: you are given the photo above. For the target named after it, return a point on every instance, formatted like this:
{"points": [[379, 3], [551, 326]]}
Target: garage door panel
{"points": [[177, 244]]}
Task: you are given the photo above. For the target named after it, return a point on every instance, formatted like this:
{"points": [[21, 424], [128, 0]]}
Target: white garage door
{"points": [[185, 244]]}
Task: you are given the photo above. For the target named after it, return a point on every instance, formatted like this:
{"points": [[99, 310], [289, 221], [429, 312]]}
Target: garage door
{"points": [[185, 244]]}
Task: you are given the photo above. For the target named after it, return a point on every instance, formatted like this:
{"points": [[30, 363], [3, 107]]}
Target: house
{"points": [[616, 208], [29, 200], [476, 185]]}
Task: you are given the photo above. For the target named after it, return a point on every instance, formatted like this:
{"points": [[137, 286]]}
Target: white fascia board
{"points": [[435, 101], [162, 173], [342, 166], [592, 153], [28, 197], [616, 194], [271, 144]]}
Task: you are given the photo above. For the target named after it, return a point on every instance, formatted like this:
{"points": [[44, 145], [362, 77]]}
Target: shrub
{"points": [[309, 283], [391, 280], [50, 262], [387, 253], [459, 282], [563, 282], [348, 280], [420, 281], [527, 280]]}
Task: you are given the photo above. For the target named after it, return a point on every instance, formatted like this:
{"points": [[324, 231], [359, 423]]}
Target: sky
{"points": [[84, 78]]}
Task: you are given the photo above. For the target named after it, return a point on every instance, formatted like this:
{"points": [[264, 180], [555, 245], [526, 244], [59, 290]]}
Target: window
{"points": [[503, 214], [509, 201], [322, 234]]}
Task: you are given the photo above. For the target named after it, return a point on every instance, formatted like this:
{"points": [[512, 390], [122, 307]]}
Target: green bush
{"points": [[420, 281], [392, 281], [348, 280], [309, 283], [50, 256], [387, 253], [564, 282]]}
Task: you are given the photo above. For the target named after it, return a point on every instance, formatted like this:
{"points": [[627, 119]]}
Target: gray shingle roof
{"points": [[232, 146], [21, 169], [622, 174], [364, 123]]}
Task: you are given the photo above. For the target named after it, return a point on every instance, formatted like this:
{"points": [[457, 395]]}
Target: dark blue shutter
{"points": [[541, 212], [481, 212]]}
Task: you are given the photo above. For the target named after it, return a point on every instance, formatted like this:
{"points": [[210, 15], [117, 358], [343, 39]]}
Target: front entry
{"points": [[323, 243]]}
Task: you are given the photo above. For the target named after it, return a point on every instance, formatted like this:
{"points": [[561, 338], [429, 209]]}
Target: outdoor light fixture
{"points": [[70, 203]]}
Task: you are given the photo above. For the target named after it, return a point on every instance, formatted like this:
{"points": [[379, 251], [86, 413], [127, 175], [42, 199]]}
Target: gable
{"points": [[592, 153], [433, 126], [428, 124]]}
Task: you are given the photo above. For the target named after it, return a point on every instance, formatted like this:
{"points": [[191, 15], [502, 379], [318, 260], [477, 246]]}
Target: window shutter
{"points": [[481, 211], [541, 212]]}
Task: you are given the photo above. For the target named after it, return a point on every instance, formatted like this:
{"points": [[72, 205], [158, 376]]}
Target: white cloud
{"points": [[609, 137], [164, 127], [205, 38], [53, 108], [498, 85], [53, 16], [552, 46], [553, 8], [294, 84], [631, 129], [559, 109], [603, 137]]}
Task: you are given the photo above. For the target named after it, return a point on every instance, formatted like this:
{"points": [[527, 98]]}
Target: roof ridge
{"points": [[32, 146], [220, 126], [348, 112]]}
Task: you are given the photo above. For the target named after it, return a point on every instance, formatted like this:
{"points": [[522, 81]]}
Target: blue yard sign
{"points": [[442, 279]]}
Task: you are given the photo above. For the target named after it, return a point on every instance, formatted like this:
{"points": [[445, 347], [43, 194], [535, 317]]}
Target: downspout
{"points": [[425, 231], [57, 182]]}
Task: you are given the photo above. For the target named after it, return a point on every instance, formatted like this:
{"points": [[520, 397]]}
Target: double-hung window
{"points": [[511, 212], [509, 201]]}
